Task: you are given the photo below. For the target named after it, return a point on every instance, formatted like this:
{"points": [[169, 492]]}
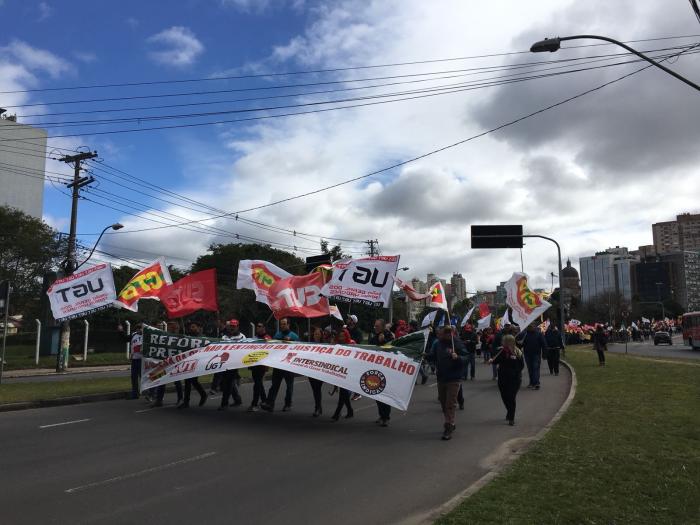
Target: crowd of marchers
{"points": [[451, 354]]}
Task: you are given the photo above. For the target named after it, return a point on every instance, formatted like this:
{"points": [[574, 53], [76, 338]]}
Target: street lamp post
{"points": [[391, 298], [554, 44], [70, 268]]}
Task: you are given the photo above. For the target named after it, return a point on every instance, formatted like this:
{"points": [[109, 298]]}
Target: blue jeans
{"points": [[533, 360], [470, 365]]}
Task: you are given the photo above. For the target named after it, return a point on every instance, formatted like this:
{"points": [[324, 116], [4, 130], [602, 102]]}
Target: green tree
{"points": [[29, 249]]}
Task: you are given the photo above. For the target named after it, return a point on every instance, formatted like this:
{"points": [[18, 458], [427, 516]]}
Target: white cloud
{"points": [[35, 59], [132, 22], [258, 6], [178, 47], [45, 11], [87, 57], [423, 211]]}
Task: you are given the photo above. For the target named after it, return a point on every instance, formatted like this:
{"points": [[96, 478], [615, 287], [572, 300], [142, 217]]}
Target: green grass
{"points": [[626, 451], [34, 391], [22, 357]]}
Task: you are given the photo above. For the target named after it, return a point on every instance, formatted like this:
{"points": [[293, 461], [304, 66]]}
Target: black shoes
{"points": [[447, 433], [461, 406], [203, 399], [286, 408], [511, 422]]}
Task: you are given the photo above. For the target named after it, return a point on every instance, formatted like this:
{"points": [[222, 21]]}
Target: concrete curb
{"points": [[61, 401], [44, 372], [522, 446]]}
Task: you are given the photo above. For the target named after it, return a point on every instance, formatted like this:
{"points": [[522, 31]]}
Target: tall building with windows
{"points": [[22, 167], [459, 286], [680, 235], [605, 273]]}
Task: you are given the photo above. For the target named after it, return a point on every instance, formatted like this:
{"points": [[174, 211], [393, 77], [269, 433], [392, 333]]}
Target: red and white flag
{"points": [[411, 292], [438, 298], [146, 284]]}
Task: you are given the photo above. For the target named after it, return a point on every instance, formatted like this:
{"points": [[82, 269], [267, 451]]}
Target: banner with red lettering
{"points": [[193, 292], [386, 374], [146, 284], [299, 296]]}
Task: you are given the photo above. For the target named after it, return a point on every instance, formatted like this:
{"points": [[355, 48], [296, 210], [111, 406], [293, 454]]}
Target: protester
{"points": [[449, 355], [533, 345], [355, 332], [285, 333], [317, 384], [135, 340], [552, 338], [600, 343], [380, 337], [258, 372], [509, 360], [343, 338], [470, 340], [194, 330], [401, 328], [230, 378]]}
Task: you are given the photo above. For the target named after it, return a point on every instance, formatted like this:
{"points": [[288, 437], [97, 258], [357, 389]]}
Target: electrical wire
{"points": [[428, 154], [327, 70]]}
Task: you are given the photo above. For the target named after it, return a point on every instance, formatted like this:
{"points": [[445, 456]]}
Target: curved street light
{"points": [[115, 226], [553, 44]]}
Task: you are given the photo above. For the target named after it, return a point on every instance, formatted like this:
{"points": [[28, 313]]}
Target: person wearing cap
{"points": [[229, 378], [258, 372], [194, 330], [380, 337], [285, 333], [355, 332]]}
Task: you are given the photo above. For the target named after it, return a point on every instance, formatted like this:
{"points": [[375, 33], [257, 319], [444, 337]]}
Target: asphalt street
{"points": [[647, 349], [119, 462]]}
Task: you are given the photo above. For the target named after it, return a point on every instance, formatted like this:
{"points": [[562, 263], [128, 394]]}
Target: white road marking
{"points": [[64, 423], [139, 473], [144, 410]]}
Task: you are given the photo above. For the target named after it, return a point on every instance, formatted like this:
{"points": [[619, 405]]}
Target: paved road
{"points": [[647, 349], [118, 462]]}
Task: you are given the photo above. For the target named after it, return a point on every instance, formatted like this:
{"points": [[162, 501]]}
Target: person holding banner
{"points": [[533, 345], [195, 330], [258, 372], [380, 337], [316, 384], [553, 339], [135, 340], [449, 355], [285, 333], [230, 378], [509, 360], [343, 338]]}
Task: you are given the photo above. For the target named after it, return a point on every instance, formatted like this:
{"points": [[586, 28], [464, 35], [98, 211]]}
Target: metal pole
{"points": [[128, 332], [4, 329], [85, 342], [38, 341]]}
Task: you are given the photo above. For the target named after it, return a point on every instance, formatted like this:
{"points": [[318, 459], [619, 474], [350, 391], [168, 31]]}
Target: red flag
{"points": [[484, 310], [193, 292], [299, 296]]}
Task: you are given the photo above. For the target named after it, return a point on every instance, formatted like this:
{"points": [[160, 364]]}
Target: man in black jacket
{"points": [[449, 355], [470, 340], [553, 339], [381, 336], [533, 345]]}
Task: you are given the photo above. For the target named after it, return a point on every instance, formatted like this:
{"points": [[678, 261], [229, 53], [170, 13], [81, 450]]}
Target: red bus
{"points": [[691, 330]]}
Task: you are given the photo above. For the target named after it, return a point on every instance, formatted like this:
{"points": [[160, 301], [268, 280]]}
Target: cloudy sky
{"points": [[593, 172]]}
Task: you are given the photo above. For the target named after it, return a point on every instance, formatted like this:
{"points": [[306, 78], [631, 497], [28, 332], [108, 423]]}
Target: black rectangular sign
{"points": [[500, 236], [317, 260]]}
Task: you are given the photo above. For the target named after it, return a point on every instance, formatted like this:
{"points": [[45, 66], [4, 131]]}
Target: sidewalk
{"points": [[43, 372]]}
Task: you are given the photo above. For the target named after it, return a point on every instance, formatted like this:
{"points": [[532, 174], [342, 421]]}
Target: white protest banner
{"points": [[82, 293], [484, 323], [368, 280], [467, 316], [385, 374], [525, 304]]}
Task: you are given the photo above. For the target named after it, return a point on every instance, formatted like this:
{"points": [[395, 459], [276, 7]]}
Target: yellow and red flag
{"points": [[146, 284]]}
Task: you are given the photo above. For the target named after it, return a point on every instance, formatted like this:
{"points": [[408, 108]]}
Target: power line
{"points": [[485, 82], [428, 154], [319, 71], [307, 84]]}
